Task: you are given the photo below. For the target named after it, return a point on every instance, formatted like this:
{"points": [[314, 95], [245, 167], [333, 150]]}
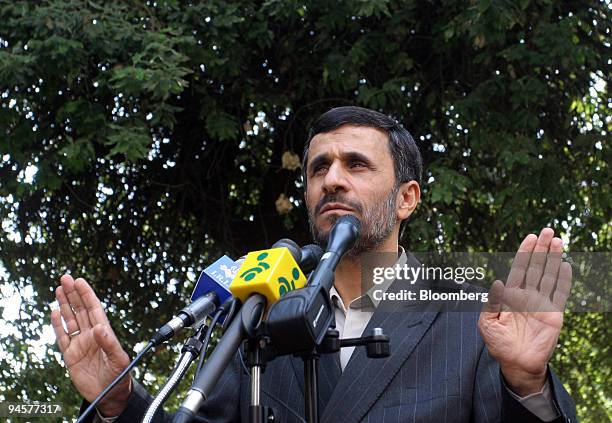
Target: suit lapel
{"points": [[364, 379], [329, 375], [298, 369]]}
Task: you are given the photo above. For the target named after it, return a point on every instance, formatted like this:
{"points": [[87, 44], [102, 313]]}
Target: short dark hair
{"points": [[407, 160]]}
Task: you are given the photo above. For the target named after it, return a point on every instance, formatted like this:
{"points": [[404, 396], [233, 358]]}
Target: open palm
{"points": [[522, 320], [91, 351]]}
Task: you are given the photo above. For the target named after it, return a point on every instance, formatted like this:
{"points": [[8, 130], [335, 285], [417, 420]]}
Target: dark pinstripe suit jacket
{"points": [[439, 371]]}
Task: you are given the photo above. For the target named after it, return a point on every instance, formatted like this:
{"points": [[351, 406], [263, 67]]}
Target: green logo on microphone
{"points": [[285, 285], [249, 274]]}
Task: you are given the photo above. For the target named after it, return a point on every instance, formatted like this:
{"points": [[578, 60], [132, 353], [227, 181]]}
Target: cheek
{"points": [[376, 198]]}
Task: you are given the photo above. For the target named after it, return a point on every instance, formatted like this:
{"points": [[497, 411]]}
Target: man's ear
{"points": [[408, 197]]}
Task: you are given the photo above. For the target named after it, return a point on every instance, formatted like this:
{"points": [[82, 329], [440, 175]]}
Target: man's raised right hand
{"points": [[90, 348]]}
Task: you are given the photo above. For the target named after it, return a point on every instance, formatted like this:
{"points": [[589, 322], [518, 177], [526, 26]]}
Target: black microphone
{"points": [[291, 245], [299, 320], [193, 314], [311, 255], [342, 237]]}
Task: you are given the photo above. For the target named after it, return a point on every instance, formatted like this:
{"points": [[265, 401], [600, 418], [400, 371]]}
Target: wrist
{"points": [[524, 383], [116, 401]]}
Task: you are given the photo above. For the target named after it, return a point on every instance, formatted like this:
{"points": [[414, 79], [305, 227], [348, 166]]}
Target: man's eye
{"points": [[358, 164], [319, 169]]}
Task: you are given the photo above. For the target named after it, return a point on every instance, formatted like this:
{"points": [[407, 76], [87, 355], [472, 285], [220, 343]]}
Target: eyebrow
{"points": [[349, 156]]}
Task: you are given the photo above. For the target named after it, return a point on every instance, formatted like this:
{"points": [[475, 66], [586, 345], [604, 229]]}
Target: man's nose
{"points": [[335, 179]]}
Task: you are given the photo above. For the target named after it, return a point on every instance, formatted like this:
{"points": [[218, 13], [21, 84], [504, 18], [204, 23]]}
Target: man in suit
{"points": [[444, 367]]}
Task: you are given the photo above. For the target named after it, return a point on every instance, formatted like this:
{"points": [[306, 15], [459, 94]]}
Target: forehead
{"points": [[372, 142]]}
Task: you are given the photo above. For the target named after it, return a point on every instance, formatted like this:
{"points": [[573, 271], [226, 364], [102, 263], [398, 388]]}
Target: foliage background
{"points": [[139, 140]]}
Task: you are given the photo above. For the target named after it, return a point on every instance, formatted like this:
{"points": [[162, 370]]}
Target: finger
{"points": [[551, 271], [538, 259], [105, 337], [63, 340], [521, 261], [66, 311], [516, 299], [91, 302], [547, 306], [537, 302], [564, 286], [492, 307], [76, 302]]}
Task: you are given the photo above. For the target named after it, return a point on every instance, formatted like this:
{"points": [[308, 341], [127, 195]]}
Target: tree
{"points": [[140, 141]]}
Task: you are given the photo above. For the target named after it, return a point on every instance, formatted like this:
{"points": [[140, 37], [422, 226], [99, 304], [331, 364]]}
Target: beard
{"points": [[377, 221]]}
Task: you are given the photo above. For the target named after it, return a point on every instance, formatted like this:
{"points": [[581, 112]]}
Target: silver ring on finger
{"points": [[75, 333]]}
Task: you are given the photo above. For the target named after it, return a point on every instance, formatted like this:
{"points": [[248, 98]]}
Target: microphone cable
{"points": [[206, 340]]}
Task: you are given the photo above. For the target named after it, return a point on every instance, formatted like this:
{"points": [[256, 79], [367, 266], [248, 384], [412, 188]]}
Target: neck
{"points": [[348, 273]]}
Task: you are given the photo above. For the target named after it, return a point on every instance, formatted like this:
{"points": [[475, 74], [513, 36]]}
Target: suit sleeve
{"points": [[223, 405], [494, 403]]}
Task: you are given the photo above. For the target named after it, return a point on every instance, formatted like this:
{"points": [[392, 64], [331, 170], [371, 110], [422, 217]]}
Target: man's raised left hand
{"points": [[522, 320]]}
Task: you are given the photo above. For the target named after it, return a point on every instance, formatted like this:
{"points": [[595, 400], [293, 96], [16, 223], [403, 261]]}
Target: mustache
{"points": [[337, 198]]}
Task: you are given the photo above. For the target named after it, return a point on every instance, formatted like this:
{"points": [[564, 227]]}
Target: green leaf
{"points": [[131, 142], [222, 126], [78, 154]]}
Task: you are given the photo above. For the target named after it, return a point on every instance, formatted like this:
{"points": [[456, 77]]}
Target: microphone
{"points": [[342, 237], [291, 245], [264, 277], [216, 278], [271, 273], [299, 320], [210, 291], [311, 255]]}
